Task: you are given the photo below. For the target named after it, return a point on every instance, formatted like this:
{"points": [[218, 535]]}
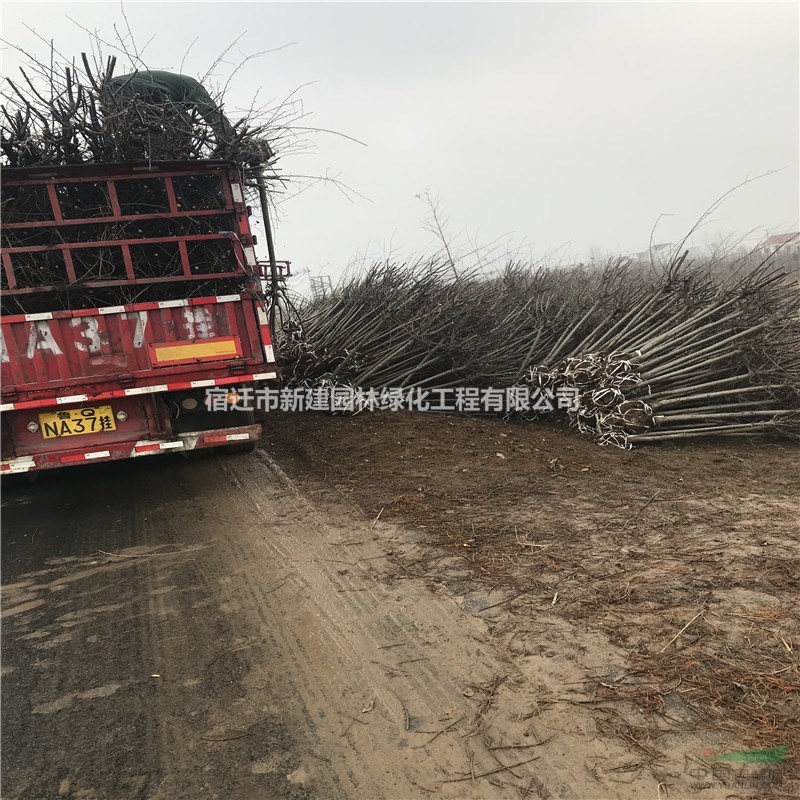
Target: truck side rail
{"points": [[93, 227]]}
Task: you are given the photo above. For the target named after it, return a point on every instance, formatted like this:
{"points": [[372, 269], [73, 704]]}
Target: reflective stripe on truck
{"points": [[182, 442], [176, 386]]}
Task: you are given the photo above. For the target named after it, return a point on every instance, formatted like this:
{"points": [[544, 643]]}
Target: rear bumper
{"points": [[182, 442]]}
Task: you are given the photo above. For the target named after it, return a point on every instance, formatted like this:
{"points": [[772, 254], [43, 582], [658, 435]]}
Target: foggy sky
{"points": [[561, 127]]}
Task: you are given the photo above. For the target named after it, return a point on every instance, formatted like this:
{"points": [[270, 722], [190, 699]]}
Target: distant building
{"points": [[658, 254], [788, 243]]}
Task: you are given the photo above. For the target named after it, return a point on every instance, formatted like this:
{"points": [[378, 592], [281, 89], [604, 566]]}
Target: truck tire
{"points": [[243, 447], [209, 420], [239, 447], [203, 420]]}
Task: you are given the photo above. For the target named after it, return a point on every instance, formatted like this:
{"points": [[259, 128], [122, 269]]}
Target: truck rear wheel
{"points": [[239, 447], [196, 417], [249, 445], [203, 420]]}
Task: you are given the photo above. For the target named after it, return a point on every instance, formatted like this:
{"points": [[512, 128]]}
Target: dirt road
{"points": [[212, 629], [199, 629]]}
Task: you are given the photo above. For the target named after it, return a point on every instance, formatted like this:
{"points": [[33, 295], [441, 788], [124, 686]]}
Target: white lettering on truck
{"points": [[141, 324], [90, 332], [199, 323], [40, 338]]}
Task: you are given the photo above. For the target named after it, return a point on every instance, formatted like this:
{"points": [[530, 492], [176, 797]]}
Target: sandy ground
{"points": [[398, 607]]}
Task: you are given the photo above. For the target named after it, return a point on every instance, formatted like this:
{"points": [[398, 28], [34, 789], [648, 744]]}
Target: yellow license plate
{"points": [[77, 421]]}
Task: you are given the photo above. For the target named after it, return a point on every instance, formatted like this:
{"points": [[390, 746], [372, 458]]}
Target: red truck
{"points": [[128, 292]]}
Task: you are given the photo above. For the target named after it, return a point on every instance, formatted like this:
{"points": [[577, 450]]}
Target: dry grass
{"points": [[629, 547]]}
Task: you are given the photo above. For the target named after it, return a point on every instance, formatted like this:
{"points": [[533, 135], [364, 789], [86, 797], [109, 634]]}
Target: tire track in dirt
{"points": [[334, 639], [105, 696], [255, 633]]}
